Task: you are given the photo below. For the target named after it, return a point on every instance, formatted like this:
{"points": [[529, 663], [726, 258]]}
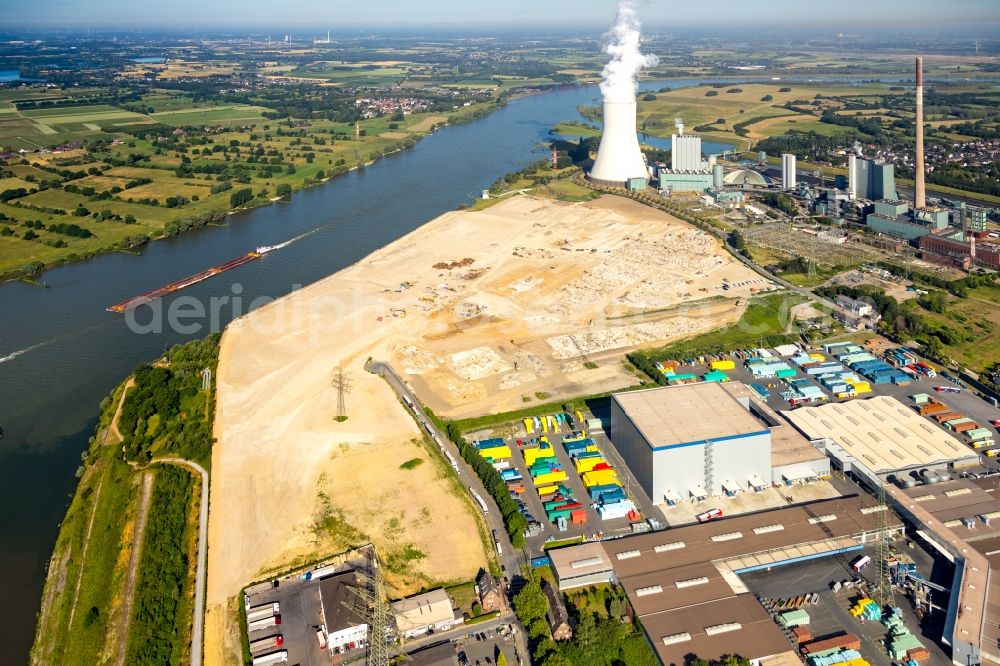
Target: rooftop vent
{"points": [[723, 628], [691, 582], [664, 547], [628, 554]]}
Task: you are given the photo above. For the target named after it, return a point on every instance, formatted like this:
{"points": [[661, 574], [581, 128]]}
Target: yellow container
{"points": [[547, 489], [579, 418], [817, 357], [550, 478], [592, 448], [529, 425], [531, 456], [587, 464], [722, 365], [600, 477], [545, 423], [496, 452]]}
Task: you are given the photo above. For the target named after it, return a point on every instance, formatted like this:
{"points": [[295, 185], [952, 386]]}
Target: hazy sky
{"points": [[487, 15]]}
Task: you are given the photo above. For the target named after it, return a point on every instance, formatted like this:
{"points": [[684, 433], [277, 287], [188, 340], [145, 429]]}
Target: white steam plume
{"points": [[621, 73]]}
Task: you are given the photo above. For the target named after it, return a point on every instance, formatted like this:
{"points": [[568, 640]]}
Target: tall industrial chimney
{"points": [[920, 197], [619, 157]]}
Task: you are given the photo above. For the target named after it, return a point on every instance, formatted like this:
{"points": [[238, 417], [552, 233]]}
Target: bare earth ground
{"points": [[549, 285]]}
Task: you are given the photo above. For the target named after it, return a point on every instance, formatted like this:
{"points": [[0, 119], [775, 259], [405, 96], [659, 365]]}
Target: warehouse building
{"points": [[880, 437], [581, 566], [424, 613], [793, 459], [345, 630], [684, 583], [690, 441], [960, 519]]}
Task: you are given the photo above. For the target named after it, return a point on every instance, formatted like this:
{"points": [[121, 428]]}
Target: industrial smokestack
{"points": [[619, 157], [920, 197]]}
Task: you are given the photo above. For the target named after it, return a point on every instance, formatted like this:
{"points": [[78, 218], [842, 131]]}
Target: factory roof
{"points": [[582, 560], [880, 434], [738, 625], [979, 593], [681, 581], [687, 414], [788, 446], [423, 609], [742, 540], [334, 591]]}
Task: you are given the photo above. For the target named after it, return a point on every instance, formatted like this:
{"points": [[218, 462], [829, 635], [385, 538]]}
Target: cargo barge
{"points": [[181, 284]]}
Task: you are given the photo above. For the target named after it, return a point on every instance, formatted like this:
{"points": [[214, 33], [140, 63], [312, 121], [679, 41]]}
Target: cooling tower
{"points": [[619, 157]]}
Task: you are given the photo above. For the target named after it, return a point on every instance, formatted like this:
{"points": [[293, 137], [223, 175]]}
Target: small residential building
{"points": [[557, 616], [490, 595], [424, 613], [855, 307], [345, 630]]}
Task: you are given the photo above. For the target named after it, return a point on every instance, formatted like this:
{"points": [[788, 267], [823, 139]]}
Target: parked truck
{"points": [[265, 623], [260, 612], [266, 644], [273, 658]]}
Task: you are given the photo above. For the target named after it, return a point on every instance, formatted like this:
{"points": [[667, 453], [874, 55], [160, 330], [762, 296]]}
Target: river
{"points": [[61, 352]]}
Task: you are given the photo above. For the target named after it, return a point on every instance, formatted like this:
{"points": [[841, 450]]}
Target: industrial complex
{"points": [[684, 584]]}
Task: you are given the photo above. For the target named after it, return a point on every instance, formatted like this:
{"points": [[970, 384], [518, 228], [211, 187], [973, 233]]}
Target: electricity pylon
{"points": [[882, 593], [342, 383], [370, 604]]}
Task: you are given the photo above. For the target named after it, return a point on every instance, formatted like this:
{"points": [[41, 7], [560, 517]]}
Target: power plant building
{"points": [[685, 151], [685, 181], [894, 218], [788, 180], [871, 179]]}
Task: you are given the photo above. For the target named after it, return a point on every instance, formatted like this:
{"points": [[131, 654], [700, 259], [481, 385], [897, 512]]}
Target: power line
{"points": [[370, 604]]}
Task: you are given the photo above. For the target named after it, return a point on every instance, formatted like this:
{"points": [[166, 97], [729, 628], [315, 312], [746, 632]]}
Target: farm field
{"points": [[215, 115], [696, 107], [108, 183]]}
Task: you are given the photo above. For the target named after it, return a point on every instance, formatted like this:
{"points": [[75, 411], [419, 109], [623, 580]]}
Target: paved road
{"points": [[512, 559], [197, 630]]}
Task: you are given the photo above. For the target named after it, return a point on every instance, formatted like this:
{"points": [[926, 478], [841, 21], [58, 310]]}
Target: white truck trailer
{"points": [[273, 658]]}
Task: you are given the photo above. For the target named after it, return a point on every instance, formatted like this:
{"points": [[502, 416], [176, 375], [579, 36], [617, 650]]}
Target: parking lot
{"points": [[301, 614], [966, 402], [481, 648], [595, 527], [831, 615]]}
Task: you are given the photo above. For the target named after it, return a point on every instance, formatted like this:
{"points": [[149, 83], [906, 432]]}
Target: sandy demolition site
{"points": [[477, 310]]}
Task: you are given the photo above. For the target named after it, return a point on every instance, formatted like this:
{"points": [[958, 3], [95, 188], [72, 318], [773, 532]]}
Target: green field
{"points": [[215, 115]]}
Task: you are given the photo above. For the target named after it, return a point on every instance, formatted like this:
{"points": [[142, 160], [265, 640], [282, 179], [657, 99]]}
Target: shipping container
{"points": [[964, 426], [844, 641], [933, 407], [496, 453], [548, 479], [588, 464], [943, 417], [578, 517], [724, 364]]}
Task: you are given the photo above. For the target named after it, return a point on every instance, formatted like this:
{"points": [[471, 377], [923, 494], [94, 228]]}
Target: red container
{"points": [[802, 634], [843, 642], [600, 466], [578, 516]]}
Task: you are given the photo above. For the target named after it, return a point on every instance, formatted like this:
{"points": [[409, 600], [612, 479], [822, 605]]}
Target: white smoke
{"points": [[622, 72]]}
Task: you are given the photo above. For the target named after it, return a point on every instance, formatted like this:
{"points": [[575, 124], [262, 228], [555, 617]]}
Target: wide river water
{"points": [[61, 352]]}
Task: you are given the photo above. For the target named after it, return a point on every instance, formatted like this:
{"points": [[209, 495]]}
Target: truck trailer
{"points": [[265, 623], [273, 658], [260, 612], [269, 643]]}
